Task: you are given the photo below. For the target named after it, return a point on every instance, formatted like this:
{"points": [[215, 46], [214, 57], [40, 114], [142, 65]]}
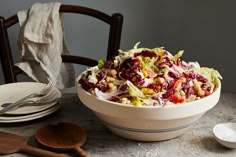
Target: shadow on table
{"points": [[211, 144]]}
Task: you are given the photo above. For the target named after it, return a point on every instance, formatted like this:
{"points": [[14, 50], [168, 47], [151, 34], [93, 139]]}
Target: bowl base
{"points": [[147, 136]]}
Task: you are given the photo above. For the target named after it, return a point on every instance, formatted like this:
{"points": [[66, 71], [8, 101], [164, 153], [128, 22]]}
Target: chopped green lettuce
{"points": [[101, 63], [178, 55], [134, 91], [211, 74]]}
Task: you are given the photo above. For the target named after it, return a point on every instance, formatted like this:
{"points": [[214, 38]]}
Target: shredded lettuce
{"points": [[211, 74], [93, 78], [114, 80], [136, 45], [134, 91], [178, 55], [106, 96], [101, 63]]}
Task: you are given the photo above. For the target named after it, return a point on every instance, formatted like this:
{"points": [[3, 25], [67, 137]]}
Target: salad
{"points": [[149, 77]]}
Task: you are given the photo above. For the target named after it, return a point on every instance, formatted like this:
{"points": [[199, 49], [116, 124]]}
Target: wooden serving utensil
{"points": [[11, 143], [62, 137]]}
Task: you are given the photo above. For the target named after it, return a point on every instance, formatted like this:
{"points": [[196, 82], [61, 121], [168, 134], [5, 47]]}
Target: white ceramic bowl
{"points": [[148, 123], [225, 134]]}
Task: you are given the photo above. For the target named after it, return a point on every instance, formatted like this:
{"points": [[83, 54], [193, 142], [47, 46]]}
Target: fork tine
{"points": [[52, 94], [47, 88]]}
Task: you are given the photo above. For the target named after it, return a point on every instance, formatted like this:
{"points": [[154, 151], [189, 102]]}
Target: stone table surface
{"points": [[198, 141]]}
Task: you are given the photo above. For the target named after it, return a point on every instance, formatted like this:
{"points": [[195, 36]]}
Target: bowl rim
{"points": [[168, 105]]}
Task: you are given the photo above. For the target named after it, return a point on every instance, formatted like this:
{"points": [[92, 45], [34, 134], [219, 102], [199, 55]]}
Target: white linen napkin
{"points": [[41, 40]]}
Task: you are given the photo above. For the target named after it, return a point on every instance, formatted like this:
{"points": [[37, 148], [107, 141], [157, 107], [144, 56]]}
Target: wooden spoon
{"points": [[11, 143], [62, 136]]}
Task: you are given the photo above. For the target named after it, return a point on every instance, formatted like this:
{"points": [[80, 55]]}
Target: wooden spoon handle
{"points": [[40, 152], [80, 151]]}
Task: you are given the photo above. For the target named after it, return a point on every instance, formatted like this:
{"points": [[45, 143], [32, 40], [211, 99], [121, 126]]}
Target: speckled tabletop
{"points": [[198, 141]]}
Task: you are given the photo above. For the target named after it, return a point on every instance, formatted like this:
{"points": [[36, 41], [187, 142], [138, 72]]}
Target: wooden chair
{"points": [[115, 22]]}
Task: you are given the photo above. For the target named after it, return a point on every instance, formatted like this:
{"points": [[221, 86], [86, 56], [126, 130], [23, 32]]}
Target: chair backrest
{"points": [[115, 22]]}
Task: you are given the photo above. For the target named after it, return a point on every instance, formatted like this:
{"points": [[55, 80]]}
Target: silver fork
{"points": [[49, 98], [41, 93], [38, 103]]}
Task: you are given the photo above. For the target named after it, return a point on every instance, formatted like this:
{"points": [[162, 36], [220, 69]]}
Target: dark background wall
{"points": [[206, 30]]}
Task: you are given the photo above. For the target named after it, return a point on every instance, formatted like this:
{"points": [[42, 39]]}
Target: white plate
{"points": [[23, 118], [15, 91]]}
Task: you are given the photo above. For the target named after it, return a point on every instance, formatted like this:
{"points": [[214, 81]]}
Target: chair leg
{"points": [[5, 54]]}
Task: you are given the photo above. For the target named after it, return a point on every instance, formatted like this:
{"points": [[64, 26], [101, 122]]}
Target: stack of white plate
{"points": [[15, 91]]}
